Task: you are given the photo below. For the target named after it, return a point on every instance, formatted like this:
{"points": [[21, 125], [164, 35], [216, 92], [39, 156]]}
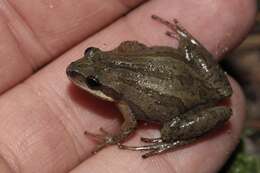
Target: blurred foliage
{"points": [[242, 162]]}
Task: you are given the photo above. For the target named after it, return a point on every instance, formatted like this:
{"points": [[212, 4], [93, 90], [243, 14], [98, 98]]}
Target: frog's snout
{"points": [[70, 71], [73, 71]]}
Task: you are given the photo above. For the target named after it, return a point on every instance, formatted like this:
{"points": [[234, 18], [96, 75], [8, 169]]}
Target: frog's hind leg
{"points": [[199, 58], [184, 129], [193, 52]]}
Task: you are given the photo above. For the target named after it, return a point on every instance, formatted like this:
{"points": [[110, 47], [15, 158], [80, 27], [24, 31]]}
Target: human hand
{"points": [[43, 119]]}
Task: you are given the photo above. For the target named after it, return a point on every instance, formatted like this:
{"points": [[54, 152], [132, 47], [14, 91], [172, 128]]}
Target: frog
{"points": [[178, 88]]}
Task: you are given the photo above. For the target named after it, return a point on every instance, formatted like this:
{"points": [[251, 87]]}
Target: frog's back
{"points": [[158, 86]]}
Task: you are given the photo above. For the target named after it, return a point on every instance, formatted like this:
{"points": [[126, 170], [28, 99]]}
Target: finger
{"points": [[35, 32], [48, 124]]}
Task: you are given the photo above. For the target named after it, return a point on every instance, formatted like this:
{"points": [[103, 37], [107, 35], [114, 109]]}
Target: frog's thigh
{"points": [[195, 123], [130, 122]]}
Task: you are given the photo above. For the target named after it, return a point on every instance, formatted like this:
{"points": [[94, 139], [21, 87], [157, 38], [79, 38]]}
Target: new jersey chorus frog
{"points": [[178, 88]]}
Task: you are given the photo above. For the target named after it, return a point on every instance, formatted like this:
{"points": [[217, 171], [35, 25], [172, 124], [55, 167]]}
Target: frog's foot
{"points": [[175, 27], [104, 139], [173, 35], [155, 148], [177, 31]]}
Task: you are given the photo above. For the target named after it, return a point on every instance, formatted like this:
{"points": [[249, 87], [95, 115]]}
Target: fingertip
{"points": [[237, 103]]}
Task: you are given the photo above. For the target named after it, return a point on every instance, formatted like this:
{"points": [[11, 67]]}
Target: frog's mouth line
{"points": [[96, 93]]}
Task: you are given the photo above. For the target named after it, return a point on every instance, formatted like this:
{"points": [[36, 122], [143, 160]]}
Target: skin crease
{"points": [[43, 119]]}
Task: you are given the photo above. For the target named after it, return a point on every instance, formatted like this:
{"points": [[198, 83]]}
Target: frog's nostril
{"points": [[73, 73], [70, 72]]}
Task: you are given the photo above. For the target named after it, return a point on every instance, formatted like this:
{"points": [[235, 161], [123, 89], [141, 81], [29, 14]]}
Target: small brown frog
{"points": [[179, 88]]}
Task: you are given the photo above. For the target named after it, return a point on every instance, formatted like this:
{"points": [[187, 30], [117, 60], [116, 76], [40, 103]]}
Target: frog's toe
{"points": [[139, 148], [151, 140], [173, 35], [103, 139], [153, 152], [99, 147], [162, 147], [98, 137], [152, 149], [155, 148]]}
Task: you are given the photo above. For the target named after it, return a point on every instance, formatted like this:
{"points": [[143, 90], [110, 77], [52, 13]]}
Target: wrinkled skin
{"points": [[42, 120]]}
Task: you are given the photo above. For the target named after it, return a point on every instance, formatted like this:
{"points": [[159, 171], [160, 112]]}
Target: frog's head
{"points": [[86, 73]]}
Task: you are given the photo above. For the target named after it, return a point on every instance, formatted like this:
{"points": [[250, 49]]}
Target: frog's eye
{"points": [[89, 51], [92, 82]]}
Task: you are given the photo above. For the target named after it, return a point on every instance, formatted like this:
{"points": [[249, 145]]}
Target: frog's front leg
{"points": [[184, 129], [128, 126]]}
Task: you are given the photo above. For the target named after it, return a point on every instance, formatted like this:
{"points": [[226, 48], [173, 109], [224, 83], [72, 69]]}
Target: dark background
{"points": [[243, 64]]}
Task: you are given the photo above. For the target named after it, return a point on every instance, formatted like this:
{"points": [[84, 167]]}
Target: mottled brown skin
{"points": [[177, 88]]}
